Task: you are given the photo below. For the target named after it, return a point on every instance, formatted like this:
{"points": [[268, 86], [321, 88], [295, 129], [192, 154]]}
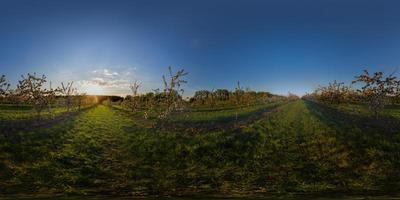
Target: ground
{"points": [[297, 146]]}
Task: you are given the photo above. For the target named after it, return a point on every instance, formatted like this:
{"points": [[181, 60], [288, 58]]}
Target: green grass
{"points": [[215, 115], [362, 109], [13, 112], [300, 148], [226, 114], [15, 107], [213, 198]]}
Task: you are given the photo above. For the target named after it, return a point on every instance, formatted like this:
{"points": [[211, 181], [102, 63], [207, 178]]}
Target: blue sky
{"points": [[278, 46]]}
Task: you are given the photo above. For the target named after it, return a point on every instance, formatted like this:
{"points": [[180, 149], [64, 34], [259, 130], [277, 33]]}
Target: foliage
{"points": [[31, 89], [292, 97], [377, 89], [224, 97], [202, 96], [4, 86], [334, 93]]}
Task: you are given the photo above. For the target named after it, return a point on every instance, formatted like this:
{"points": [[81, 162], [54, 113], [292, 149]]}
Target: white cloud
{"points": [[105, 72], [114, 80], [107, 81]]}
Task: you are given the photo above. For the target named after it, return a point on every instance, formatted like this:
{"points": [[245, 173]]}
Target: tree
{"points": [[249, 96], [212, 97], [149, 103], [377, 89], [221, 94], [68, 91], [14, 97], [81, 99], [396, 96], [334, 93], [132, 101], [135, 100], [4, 86], [292, 97], [238, 94], [172, 87], [201, 96], [32, 91]]}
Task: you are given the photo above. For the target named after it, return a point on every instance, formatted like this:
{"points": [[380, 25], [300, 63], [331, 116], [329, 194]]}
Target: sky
{"points": [[279, 46]]}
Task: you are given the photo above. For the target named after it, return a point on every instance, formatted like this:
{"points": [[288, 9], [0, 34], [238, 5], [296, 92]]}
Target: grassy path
{"points": [[344, 120], [98, 141], [294, 117], [302, 146], [328, 154], [84, 150]]}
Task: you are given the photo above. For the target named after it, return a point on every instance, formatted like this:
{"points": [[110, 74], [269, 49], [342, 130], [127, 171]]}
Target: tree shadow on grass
{"points": [[34, 124], [384, 125], [30, 152], [226, 123], [32, 139]]}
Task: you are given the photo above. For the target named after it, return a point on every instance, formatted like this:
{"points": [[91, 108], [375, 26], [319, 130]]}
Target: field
{"points": [[298, 146], [216, 198]]}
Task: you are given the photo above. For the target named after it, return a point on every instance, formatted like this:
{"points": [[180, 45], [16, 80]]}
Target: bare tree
{"points": [[68, 91], [377, 89], [132, 101], [135, 88], [32, 91], [238, 98], [172, 87], [135, 100]]}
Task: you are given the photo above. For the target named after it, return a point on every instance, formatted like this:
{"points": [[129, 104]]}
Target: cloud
{"points": [[113, 80], [105, 72], [108, 79]]}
